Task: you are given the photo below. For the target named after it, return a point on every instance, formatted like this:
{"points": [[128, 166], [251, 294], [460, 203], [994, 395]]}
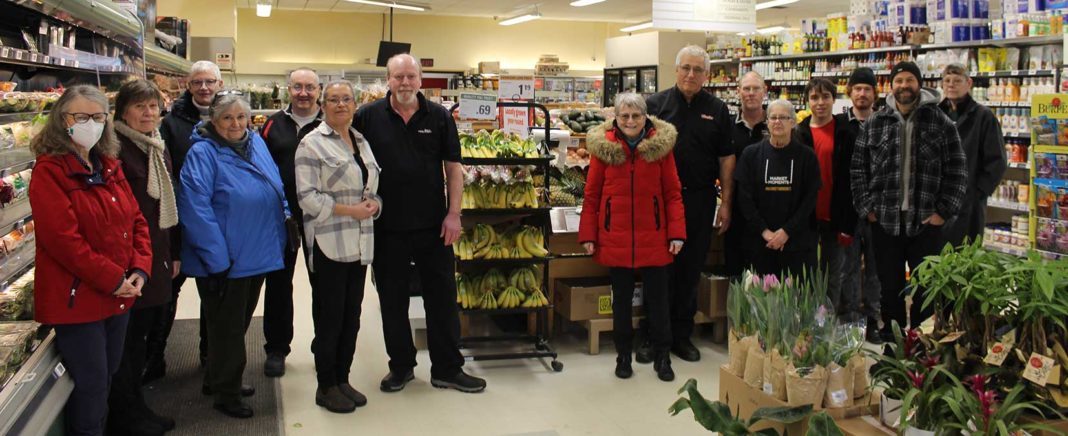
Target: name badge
{"points": [[708, 117]]}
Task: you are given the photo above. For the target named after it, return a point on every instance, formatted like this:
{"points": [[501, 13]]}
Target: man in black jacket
{"points": [[282, 132], [703, 151], [984, 148], [750, 128], [176, 129], [836, 220]]}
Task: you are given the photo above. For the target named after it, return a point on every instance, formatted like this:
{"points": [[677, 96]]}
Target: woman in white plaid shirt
{"points": [[337, 181]]}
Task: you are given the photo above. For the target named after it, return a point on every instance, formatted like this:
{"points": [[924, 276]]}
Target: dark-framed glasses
{"points": [[82, 118]]}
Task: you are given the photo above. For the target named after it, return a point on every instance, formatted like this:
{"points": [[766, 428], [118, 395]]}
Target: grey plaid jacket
{"points": [[327, 175], [939, 176]]}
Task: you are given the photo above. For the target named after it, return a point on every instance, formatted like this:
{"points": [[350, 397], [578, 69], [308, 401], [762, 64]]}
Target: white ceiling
{"points": [[623, 11]]}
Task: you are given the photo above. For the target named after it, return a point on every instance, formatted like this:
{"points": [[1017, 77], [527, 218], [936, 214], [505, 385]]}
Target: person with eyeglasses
{"points": [[282, 133], [176, 129], [984, 150], [94, 251], [704, 153], [778, 181], [233, 213], [633, 222], [750, 127], [337, 185]]}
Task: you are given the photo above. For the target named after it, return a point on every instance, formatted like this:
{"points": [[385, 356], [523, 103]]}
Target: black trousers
{"points": [[891, 255], [777, 262], [654, 292], [970, 222], [278, 303], [337, 296], [830, 263], [686, 270], [92, 353], [227, 306], [126, 402], [394, 253]]}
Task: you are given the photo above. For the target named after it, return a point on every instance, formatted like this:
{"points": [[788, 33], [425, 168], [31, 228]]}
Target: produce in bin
{"points": [[484, 242], [581, 121], [495, 290], [16, 302], [16, 340], [497, 145], [567, 187]]}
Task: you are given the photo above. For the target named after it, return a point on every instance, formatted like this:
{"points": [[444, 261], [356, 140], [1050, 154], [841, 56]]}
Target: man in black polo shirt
{"points": [[750, 127], [282, 132], [417, 146], [704, 150]]}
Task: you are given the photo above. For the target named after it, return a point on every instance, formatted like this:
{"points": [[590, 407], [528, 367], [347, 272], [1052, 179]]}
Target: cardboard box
{"points": [[712, 295], [580, 299], [489, 67], [863, 426], [745, 400]]}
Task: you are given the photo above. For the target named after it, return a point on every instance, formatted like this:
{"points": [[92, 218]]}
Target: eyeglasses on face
{"points": [[82, 118], [196, 84], [628, 117], [780, 118], [296, 87], [344, 101], [686, 69]]}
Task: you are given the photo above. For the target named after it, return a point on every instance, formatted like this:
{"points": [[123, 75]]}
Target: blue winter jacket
{"points": [[232, 211]]}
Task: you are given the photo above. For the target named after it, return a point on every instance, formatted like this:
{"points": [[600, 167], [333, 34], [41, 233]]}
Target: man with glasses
{"points": [[282, 132], [984, 148], [703, 150], [176, 129], [750, 127]]}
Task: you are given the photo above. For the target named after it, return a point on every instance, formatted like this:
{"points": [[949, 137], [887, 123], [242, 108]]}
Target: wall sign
{"points": [[705, 15]]}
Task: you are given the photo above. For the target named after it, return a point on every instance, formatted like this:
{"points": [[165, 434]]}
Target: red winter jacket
{"points": [[633, 205], [89, 238]]}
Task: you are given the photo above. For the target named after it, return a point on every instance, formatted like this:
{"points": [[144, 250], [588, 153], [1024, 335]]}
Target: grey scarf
{"points": [[160, 186]]}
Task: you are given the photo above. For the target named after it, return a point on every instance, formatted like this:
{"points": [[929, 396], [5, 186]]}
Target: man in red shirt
{"points": [[836, 220]]}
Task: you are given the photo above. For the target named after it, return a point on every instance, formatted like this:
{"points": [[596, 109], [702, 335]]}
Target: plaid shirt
{"points": [[327, 175], [939, 170]]}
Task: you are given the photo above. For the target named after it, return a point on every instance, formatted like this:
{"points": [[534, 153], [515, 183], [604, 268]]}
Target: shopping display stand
{"points": [[538, 318]]}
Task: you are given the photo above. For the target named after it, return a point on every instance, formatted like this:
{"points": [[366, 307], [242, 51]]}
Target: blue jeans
{"points": [[91, 353]]}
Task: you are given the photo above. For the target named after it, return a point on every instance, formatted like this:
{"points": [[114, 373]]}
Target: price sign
{"points": [[997, 353], [5, 52], [18, 55], [478, 106], [516, 120], [516, 88], [1038, 368]]}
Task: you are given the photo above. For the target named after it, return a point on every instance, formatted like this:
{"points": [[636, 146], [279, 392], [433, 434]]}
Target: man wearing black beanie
{"points": [[908, 177]]}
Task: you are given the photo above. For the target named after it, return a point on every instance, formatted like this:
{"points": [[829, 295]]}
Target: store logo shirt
{"points": [[708, 117], [778, 175], [425, 131]]}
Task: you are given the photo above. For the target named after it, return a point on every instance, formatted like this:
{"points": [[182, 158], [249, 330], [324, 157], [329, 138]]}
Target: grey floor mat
{"points": [[178, 394]]}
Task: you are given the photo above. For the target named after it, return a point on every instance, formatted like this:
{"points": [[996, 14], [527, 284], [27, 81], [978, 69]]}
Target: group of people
{"points": [[855, 195], [129, 204]]}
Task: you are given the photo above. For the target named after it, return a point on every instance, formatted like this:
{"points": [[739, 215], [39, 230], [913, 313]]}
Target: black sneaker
{"points": [[872, 333], [275, 365], [234, 410], [356, 396], [663, 368], [333, 400], [394, 382], [644, 354], [623, 369], [461, 382], [686, 350]]}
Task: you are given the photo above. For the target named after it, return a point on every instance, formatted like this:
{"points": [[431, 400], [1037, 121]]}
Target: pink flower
{"points": [[789, 282], [987, 401], [770, 281], [930, 361], [917, 379], [977, 382], [912, 336]]}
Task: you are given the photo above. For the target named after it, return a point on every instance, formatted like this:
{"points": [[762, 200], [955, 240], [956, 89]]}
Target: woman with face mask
{"points": [[234, 216], [94, 252]]}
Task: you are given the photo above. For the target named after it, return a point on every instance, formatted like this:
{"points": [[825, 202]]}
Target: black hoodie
{"points": [[777, 190]]}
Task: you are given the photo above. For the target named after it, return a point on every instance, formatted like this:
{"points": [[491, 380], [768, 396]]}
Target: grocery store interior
{"points": [[553, 69]]}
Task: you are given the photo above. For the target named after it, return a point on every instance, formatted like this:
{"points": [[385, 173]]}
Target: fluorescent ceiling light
{"points": [[771, 29], [263, 9], [774, 3], [581, 3], [521, 19], [641, 26], [389, 4]]}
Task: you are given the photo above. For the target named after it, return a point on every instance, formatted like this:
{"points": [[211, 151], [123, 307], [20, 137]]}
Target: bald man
{"points": [[750, 127], [417, 146]]}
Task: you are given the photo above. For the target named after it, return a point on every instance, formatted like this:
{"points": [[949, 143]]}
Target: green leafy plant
{"points": [[977, 410], [717, 417], [912, 372]]}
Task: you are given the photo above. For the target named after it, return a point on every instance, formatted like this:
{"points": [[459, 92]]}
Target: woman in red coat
{"points": [[93, 249], [633, 221]]}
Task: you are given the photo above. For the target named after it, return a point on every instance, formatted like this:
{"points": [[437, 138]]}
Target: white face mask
{"points": [[86, 134]]}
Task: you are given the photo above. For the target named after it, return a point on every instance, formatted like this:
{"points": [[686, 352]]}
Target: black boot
{"points": [[166, 422], [644, 353], [623, 369], [662, 366], [156, 343]]}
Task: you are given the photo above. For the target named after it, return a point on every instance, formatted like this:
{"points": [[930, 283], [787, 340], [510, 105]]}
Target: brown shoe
{"points": [[333, 400], [357, 398]]}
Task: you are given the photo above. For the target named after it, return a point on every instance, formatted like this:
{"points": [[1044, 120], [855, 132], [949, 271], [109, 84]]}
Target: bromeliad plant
{"points": [[978, 409], [912, 372], [717, 417]]}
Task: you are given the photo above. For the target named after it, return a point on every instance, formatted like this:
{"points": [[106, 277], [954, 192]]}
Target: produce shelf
{"points": [[507, 211], [6, 118], [13, 160], [504, 262], [15, 56], [506, 160], [542, 349], [15, 263], [35, 396], [14, 214], [513, 310]]}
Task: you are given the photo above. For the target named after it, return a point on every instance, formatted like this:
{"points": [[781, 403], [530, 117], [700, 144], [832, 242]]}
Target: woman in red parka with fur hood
{"points": [[633, 221]]}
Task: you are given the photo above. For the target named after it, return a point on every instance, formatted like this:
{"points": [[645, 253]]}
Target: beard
{"points": [[906, 96], [405, 97]]}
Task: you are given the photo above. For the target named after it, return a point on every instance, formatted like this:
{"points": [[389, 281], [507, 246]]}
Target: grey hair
{"points": [[785, 104], [54, 139], [695, 51], [398, 57], [342, 83], [224, 102], [205, 67], [633, 100]]}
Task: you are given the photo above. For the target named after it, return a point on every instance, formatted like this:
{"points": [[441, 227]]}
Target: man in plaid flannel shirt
{"points": [[909, 177]]}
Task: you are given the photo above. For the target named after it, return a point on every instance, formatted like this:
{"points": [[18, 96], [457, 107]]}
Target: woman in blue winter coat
{"points": [[233, 215]]}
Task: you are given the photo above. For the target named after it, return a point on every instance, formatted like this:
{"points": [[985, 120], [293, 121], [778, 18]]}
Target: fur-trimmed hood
{"points": [[602, 142]]}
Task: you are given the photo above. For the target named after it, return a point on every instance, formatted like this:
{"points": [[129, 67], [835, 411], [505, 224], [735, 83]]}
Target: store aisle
{"points": [[523, 397]]}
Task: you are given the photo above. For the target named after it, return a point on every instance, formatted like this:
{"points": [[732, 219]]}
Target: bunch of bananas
{"points": [[494, 290], [483, 242], [497, 144], [500, 196], [535, 299], [511, 298]]}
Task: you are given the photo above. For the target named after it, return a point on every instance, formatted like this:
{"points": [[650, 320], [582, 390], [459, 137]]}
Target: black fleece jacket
{"points": [[777, 190]]}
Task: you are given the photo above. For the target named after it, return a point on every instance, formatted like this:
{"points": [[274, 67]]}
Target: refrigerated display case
{"points": [[631, 79], [560, 89]]}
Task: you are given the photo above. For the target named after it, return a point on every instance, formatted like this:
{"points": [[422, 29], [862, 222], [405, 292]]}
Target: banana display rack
{"points": [[502, 258]]}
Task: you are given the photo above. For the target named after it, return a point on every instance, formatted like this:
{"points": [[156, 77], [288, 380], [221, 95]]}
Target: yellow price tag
{"points": [[604, 305]]}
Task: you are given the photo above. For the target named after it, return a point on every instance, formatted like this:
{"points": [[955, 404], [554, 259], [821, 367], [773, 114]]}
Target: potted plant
{"points": [[978, 410], [717, 417], [913, 379], [1041, 287]]}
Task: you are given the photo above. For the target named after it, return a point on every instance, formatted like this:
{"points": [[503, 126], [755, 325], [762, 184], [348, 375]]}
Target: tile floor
{"points": [[524, 397]]}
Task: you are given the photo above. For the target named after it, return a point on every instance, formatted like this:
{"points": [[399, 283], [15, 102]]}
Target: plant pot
{"points": [[889, 411], [806, 389], [775, 375], [913, 431], [754, 367], [859, 364], [738, 351]]}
